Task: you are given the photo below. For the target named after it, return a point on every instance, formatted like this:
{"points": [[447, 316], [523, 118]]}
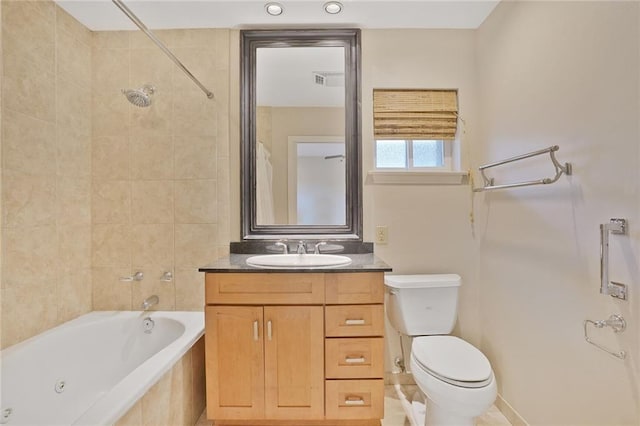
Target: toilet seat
{"points": [[452, 360]]}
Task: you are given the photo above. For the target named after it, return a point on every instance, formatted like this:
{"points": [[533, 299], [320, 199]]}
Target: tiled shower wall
{"points": [[46, 168], [160, 200]]}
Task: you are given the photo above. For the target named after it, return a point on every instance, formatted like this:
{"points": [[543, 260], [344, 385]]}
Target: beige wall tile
{"points": [[110, 113], [151, 66], [194, 113], [74, 246], [200, 60], [109, 293], [202, 37], [73, 200], [110, 68], [73, 106], [73, 59], [110, 39], [196, 201], [26, 311], [111, 245], [73, 292], [151, 155], [28, 144], [151, 285], [189, 285], [199, 384], [195, 245], [68, 24], [195, 157], [152, 201], [28, 88], [222, 40], [110, 157], [29, 33], [28, 200], [111, 201], [159, 117], [73, 153], [133, 416], [29, 256], [156, 403], [152, 245], [139, 40], [182, 391]]}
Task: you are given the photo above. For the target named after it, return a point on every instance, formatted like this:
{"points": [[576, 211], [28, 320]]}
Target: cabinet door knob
{"points": [[255, 331], [354, 322]]}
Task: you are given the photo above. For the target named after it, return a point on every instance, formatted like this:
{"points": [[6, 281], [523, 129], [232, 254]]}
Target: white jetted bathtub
{"points": [[93, 369]]}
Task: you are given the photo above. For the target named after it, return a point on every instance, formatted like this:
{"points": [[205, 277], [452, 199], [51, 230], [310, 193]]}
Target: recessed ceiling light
{"points": [[333, 7], [274, 9]]}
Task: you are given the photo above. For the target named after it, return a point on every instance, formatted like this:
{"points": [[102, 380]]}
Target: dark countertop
{"points": [[237, 263]]}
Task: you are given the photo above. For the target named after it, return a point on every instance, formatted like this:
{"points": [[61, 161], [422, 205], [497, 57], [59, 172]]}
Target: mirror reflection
{"points": [[300, 142]]}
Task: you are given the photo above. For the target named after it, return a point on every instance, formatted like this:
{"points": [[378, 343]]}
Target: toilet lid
{"points": [[452, 360]]}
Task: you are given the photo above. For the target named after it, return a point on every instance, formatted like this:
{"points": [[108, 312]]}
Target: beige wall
{"points": [[429, 228], [564, 73], [46, 169], [160, 174]]}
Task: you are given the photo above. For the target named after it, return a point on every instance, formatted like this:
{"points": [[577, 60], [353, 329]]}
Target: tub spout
{"points": [[149, 302]]}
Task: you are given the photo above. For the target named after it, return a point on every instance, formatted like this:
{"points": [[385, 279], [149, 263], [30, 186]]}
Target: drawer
{"points": [[354, 358], [355, 288], [264, 289], [354, 320], [354, 399]]}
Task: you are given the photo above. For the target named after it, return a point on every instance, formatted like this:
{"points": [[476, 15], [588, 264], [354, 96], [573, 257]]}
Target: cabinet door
{"points": [[235, 362], [294, 362]]}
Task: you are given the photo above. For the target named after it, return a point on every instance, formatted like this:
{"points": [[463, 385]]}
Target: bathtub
{"points": [[93, 369]]}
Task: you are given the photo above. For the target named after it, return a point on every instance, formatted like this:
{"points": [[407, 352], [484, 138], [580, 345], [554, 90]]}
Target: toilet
{"points": [[455, 378]]}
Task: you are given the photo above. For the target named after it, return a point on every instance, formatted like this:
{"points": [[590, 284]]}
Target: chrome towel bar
{"points": [[614, 289], [560, 170]]}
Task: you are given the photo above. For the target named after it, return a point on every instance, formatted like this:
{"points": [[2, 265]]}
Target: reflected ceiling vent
{"points": [[328, 79]]}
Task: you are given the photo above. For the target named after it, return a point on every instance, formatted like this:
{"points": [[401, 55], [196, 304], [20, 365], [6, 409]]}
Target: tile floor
{"points": [[394, 414]]}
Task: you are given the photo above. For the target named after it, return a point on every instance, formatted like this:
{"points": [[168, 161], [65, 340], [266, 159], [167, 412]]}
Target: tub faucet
{"points": [[149, 302]]}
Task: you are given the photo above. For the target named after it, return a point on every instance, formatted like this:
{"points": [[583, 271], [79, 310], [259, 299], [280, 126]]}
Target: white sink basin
{"points": [[297, 260]]}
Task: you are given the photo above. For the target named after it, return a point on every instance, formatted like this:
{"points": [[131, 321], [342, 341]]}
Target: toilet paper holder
{"points": [[616, 322]]}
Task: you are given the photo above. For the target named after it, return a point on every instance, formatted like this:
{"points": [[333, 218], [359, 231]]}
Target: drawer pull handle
{"points": [[355, 360], [354, 401], [255, 330], [354, 322], [269, 331]]}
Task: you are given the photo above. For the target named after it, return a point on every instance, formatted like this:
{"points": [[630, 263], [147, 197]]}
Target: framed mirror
{"points": [[300, 134]]}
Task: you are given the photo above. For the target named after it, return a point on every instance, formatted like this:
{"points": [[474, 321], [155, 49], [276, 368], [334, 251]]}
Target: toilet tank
{"points": [[421, 305]]}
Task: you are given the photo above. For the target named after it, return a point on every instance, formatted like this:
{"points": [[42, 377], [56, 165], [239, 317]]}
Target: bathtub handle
{"points": [[138, 276], [269, 334], [256, 336]]}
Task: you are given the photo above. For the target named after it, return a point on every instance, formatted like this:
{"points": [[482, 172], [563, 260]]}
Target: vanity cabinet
{"points": [[301, 347]]}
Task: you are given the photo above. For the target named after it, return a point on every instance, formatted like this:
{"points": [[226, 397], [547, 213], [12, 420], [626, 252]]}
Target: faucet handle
{"points": [[138, 276], [167, 277], [316, 247], [283, 244]]}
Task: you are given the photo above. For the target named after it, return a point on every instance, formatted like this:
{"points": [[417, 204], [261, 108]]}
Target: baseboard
{"points": [[509, 412]]}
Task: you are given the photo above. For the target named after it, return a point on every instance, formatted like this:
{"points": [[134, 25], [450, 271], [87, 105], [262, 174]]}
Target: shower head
{"points": [[140, 97]]}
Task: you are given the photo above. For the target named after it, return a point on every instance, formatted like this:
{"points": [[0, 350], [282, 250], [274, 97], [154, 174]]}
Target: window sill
{"points": [[401, 177]]}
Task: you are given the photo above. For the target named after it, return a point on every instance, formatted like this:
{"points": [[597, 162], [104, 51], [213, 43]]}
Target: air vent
{"points": [[328, 79]]}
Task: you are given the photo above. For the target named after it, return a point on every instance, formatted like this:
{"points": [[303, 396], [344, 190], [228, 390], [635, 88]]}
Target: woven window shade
{"points": [[415, 114]]}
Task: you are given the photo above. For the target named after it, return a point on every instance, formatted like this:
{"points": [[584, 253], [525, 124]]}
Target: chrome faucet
{"points": [[149, 302], [302, 248], [285, 247]]}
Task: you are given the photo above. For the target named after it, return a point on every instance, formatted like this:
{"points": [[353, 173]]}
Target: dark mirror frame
{"points": [[250, 40]]}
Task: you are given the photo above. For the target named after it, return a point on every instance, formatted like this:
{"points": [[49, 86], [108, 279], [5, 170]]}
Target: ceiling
{"points": [[103, 15]]}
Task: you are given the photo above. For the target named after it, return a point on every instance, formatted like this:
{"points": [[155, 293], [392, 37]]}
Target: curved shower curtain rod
{"points": [[160, 44]]}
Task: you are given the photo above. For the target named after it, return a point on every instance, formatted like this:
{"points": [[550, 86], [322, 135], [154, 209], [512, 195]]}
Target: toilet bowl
{"points": [[456, 378]]}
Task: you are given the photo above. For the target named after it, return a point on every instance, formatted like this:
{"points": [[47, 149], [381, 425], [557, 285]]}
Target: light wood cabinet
{"points": [[305, 348]]}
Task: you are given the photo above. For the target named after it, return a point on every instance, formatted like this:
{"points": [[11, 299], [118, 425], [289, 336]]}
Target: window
{"points": [[413, 155]]}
